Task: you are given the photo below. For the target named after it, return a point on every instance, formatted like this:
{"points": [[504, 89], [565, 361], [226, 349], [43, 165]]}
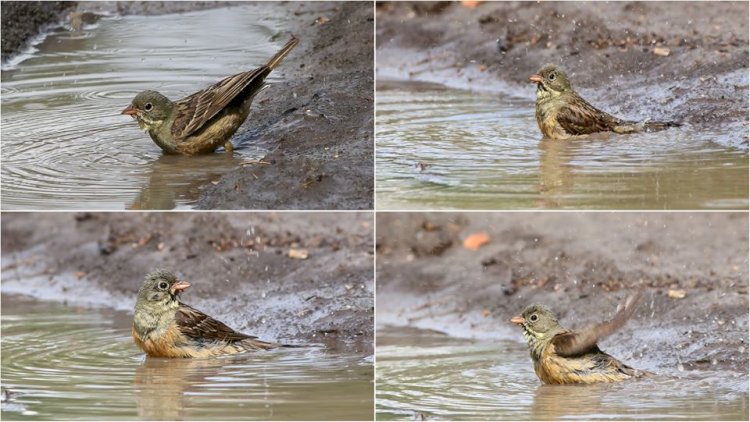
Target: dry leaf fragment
{"points": [[476, 241], [298, 253], [677, 294]]}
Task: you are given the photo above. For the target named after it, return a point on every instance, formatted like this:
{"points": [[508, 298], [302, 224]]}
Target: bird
{"points": [[204, 121], [563, 356], [165, 327], [561, 113]]}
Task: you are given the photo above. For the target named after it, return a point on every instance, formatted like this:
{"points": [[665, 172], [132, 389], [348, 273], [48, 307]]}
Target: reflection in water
{"points": [[556, 173], [163, 386], [64, 142], [447, 148], [567, 401], [76, 363], [426, 374], [176, 179]]}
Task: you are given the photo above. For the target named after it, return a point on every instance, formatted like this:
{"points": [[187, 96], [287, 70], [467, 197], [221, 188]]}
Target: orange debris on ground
{"points": [[476, 241]]}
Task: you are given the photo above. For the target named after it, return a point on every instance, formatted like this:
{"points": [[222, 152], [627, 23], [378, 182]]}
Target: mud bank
{"points": [[238, 264], [582, 265], [324, 131], [660, 60]]}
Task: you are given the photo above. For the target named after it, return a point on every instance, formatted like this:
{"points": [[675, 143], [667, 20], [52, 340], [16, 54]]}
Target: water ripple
{"points": [[65, 143], [447, 148]]}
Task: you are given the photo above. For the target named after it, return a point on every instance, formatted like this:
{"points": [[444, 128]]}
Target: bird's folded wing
{"points": [[578, 117], [194, 111], [195, 324], [573, 343]]}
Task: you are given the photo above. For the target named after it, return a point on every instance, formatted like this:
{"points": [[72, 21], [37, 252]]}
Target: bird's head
{"points": [[551, 81], [150, 109]]}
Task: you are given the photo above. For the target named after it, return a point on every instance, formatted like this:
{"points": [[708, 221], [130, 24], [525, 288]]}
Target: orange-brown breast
{"points": [[169, 345], [554, 369], [174, 344]]}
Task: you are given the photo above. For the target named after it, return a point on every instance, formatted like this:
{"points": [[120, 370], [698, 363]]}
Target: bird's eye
{"points": [[533, 318], [163, 285], [551, 78], [148, 107]]}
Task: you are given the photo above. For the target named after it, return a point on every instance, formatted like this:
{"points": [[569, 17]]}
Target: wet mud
{"points": [[292, 277], [661, 60], [692, 267]]}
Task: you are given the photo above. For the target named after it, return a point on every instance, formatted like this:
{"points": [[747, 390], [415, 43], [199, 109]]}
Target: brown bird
{"points": [[561, 113], [206, 120], [165, 327], [563, 356]]}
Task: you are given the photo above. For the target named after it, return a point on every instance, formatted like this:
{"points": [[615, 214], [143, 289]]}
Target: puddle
{"points": [[484, 151], [63, 362], [65, 143], [424, 374]]}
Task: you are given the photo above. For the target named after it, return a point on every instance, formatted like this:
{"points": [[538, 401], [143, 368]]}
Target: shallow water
{"points": [[484, 151], [63, 362], [65, 143], [424, 374]]}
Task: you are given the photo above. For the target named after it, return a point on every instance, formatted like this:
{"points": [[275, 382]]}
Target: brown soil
{"points": [[238, 264], [323, 152], [608, 48], [582, 265]]}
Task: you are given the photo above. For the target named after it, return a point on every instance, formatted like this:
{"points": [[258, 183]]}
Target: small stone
{"points": [[298, 253], [677, 293]]}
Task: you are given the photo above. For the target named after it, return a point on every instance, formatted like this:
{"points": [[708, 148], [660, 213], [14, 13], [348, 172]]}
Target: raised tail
{"points": [[278, 57]]}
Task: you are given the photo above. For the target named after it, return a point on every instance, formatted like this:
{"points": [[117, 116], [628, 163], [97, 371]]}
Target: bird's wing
{"points": [[574, 343], [195, 324], [194, 111], [578, 117]]}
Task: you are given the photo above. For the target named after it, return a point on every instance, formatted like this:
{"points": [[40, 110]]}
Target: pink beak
{"points": [[536, 79], [518, 319], [179, 286], [130, 111]]}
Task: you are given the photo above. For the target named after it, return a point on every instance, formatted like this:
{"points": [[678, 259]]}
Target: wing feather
{"points": [[197, 109], [199, 326]]}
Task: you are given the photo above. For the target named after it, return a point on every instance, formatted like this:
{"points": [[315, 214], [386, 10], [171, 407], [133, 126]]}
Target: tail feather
{"points": [[278, 57], [645, 126], [653, 126]]}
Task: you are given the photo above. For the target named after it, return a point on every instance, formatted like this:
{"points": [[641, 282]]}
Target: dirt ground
{"points": [[667, 60], [693, 268], [321, 138], [238, 264]]}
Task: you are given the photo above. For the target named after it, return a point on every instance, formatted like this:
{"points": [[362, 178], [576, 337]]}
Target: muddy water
{"points": [[484, 151], [62, 362], [64, 142], [423, 374]]}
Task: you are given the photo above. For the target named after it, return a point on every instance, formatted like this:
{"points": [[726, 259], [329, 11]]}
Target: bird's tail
{"points": [[652, 126], [278, 57], [644, 126]]}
